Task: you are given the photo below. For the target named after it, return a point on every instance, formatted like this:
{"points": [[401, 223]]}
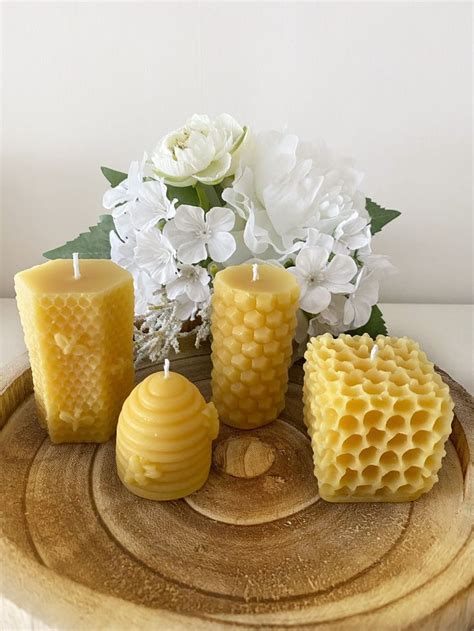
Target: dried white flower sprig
{"points": [[213, 194]]}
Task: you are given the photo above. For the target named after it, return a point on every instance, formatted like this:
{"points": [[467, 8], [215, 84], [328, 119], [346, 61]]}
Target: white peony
{"points": [[204, 150], [283, 188]]}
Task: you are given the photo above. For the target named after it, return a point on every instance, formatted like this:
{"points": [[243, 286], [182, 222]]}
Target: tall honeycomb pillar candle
{"points": [[253, 324], [378, 415], [164, 437], [78, 326]]}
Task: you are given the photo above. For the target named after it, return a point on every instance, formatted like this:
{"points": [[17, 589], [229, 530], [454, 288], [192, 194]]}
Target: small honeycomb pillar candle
{"points": [[78, 326], [164, 438], [253, 323], [378, 416]]}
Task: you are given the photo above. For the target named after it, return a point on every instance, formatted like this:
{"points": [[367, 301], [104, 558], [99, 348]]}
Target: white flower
{"points": [[285, 187], [193, 281], [138, 204], [194, 234], [153, 205], [273, 194], [185, 309], [351, 234], [122, 199], [201, 151], [145, 289], [123, 253], [125, 193], [358, 306], [315, 237], [331, 319], [378, 265], [338, 198], [154, 253], [318, 278]]}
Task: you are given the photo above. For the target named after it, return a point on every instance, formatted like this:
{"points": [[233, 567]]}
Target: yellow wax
{"points": [[164, 438], [79, 335], [253, 324], [378, 424]]}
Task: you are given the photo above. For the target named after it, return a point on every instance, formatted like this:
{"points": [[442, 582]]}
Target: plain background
{"points": [[91, 84]]}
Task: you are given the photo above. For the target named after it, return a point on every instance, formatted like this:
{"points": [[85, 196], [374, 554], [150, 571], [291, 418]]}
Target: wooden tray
{"points": [[253, 549]]}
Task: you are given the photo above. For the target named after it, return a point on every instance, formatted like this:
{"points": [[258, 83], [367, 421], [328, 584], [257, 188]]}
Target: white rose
{"points": [[204, 150]]}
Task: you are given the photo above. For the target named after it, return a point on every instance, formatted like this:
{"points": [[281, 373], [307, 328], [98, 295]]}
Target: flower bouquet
{"points": [[214, 194]]}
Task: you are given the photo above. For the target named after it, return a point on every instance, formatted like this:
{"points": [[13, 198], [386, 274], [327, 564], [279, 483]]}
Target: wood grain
{"points": [[256, 547]]}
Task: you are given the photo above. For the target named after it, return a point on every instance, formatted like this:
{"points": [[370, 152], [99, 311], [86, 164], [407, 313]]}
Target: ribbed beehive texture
{"points": [[164, 438], [81, 352], [252, 336], [378, 426]]}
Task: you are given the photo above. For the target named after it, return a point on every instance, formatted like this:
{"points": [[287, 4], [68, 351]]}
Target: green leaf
{"points": [[94, 244], [375, 326], [184, 195], [379, 216], [114, 177]]}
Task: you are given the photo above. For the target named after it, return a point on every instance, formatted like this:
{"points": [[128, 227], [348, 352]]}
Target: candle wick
{"points": [[374, 352], [166, 368], [255, 274], [75, 264]]}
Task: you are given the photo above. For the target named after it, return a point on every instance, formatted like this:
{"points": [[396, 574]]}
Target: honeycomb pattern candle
{"points": [[78, 326], [253, 323], [378, 416], [164, 437]]}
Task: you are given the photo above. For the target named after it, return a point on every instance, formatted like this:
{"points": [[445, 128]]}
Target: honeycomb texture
{"points": [[252, 337], [164, 438], [81, 353], [378, 426]]}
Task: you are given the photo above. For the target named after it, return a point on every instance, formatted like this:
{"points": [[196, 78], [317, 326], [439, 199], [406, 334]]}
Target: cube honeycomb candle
{"points": [[78, 326], [253, 323], [378, 415], [164, 437]]}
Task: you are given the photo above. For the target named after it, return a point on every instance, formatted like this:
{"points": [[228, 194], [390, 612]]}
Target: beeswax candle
{"points": [[378, 415], [164, 438], [253, 323], [78, 326]]}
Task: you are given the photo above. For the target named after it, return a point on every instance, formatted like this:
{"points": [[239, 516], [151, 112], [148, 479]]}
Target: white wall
{"points": [[90, 84]]}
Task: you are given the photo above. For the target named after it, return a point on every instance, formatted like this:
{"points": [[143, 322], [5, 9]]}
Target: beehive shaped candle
{"points": [[164, 438], [253, 323], [378, 418], [79, 334]]}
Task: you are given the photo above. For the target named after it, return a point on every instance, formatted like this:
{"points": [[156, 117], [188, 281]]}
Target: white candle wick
{"points": [[75, 264], [255, 274], [374, 352], [166, 368]]}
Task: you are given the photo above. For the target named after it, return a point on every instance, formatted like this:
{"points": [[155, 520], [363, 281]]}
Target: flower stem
{"points": [[201, 193]]}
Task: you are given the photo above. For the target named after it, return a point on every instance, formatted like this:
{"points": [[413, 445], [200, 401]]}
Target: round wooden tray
{"points": [[254, 548]]}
